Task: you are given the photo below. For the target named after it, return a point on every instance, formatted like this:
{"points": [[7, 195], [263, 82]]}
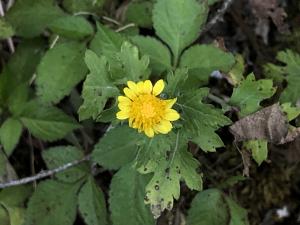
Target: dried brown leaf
{"points": [[269, 123]]}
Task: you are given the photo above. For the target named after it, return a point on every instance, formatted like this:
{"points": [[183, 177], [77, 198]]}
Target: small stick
{"points": [[219, 15], [43, 174]]}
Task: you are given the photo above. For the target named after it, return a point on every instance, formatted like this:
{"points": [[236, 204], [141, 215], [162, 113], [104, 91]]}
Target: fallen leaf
{"points": [[269, 123]]}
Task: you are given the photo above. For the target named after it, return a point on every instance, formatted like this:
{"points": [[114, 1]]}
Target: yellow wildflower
{"points": [[145, 110]]}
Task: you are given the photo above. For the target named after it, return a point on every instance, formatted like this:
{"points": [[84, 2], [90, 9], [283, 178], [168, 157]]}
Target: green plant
{"points": [[39, 95]]}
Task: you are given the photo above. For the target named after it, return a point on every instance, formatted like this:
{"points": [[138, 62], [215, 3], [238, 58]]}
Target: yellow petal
{"points": [[124, 106], [158, 87], [163, 127], [131, 85], [170, 102], [171, 115], [148, 87], [149, 132], [129, 93], [140, 87], [130, 122], [122, 115], [123, 99]]}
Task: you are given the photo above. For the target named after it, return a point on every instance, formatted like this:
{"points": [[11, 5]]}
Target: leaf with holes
{"points": [[170, 162]]}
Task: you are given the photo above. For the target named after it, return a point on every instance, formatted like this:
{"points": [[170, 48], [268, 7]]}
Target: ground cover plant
{"points": [[149, 112]]}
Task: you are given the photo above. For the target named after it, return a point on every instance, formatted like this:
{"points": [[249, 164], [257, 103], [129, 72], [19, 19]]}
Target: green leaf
{"points": [[20, 68], [178, 23], [170, 162], [97, 88], [140, 13], [208, 208], [18, 97], [6, 29], [248, 95], [212, 207], [60, 70], [53, 203], [237, 71], [13, 201], [290, 111], [112, 154], [46, 122], [200, 121], [106, 42], [15, 196], [202, 60], [61, 155], [7, 172], [258, 148], [127, 198], [91, 203], [134, 67], [238, 215], [292, 60], [29, 18], [10, 133], [4, 216], [159, 54], [176, 81], [77, 6], [73, 27]]}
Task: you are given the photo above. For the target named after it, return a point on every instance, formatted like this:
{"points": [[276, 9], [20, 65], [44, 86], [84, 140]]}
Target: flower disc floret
{"points": [[144, 110]]}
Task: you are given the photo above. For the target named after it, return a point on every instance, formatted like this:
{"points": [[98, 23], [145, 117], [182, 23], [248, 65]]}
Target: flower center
{"points": [[146, 107]]}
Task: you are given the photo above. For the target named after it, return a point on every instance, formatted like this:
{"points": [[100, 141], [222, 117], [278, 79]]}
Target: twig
{"points": [[9, 40], [54, 41], [125, 27], [43, 174], [218, 16], [111, 20]]}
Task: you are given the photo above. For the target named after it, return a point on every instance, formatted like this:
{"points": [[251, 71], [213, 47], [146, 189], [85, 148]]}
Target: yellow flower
{"points": [[145, 110]]}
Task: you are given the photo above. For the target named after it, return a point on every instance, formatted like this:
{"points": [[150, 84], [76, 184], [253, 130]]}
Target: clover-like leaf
{"points": [[200, 120], [97, 87], [248, 95]]}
